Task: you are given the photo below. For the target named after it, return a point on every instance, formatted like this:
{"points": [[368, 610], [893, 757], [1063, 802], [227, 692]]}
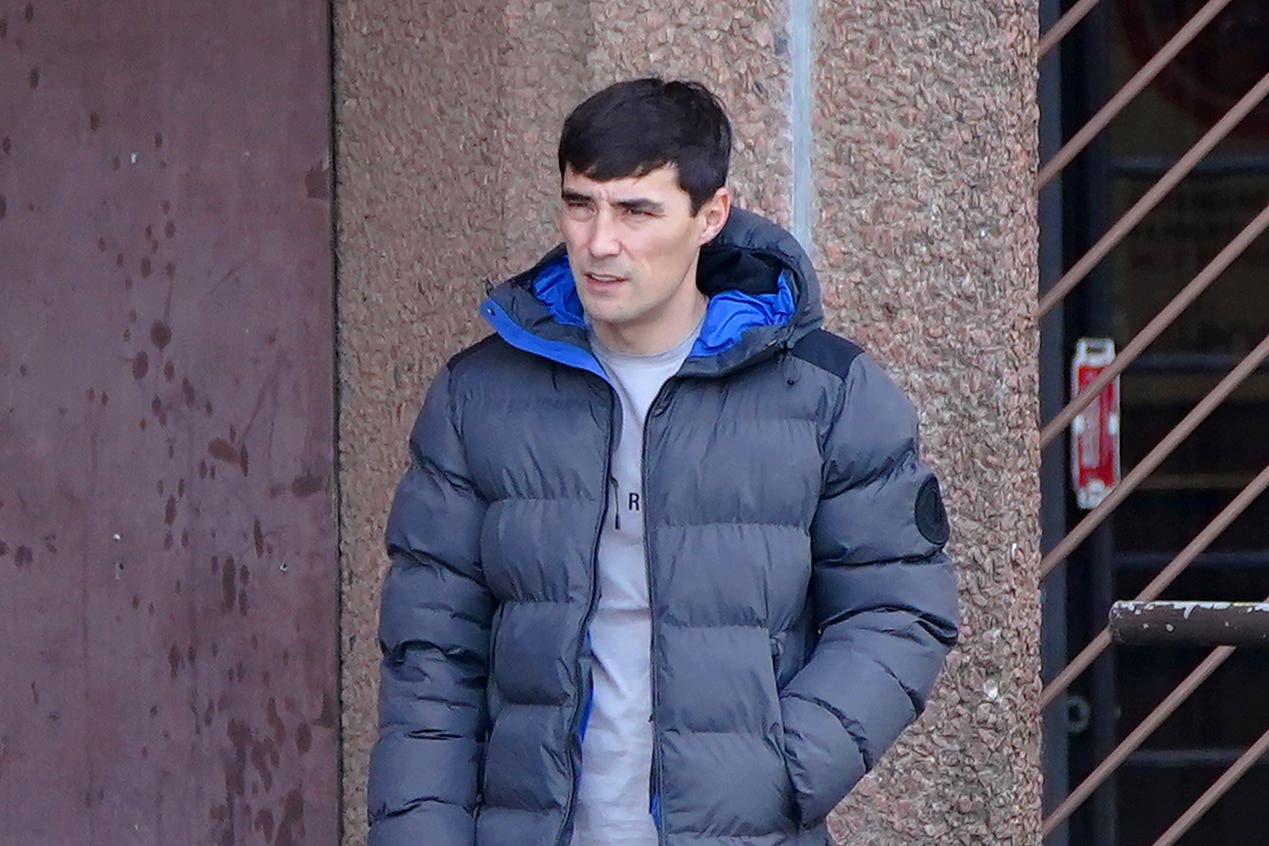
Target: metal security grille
{"points": [[1154, 201]]}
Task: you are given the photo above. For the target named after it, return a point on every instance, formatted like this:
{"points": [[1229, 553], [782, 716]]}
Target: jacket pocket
{"points": [[777, 660], [777, 643], [493, 703], [492, 696]]}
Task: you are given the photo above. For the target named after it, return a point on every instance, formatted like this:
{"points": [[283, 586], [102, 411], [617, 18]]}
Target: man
{"points": [[666, 568]]}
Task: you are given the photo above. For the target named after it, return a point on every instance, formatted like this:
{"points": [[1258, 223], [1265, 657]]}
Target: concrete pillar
{"points": [[924, 123], [902, 136]]}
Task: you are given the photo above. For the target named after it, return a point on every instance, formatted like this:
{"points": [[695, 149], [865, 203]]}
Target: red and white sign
{"points": [[1095, 431]]}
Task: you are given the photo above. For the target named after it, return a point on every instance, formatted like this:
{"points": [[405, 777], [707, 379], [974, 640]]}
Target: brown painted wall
{"points": [[923, 146], [168, 560]]}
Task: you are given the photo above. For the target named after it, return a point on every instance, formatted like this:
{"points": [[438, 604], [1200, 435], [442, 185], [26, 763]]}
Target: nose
{"points": [[602, 240]]}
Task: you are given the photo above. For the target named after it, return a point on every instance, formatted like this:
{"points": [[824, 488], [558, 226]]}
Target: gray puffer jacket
{"points": [[801, 602]]}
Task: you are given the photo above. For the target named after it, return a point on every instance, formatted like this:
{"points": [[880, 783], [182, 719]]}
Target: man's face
{"points": [[632, 246]]}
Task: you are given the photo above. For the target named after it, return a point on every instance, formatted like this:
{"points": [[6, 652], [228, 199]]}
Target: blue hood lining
{"points": [[520, 338], [732, 313], [554, 287], [728, 315]]}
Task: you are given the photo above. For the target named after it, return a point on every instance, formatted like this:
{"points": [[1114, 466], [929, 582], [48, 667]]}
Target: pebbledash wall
{"points": [[900, 136]]}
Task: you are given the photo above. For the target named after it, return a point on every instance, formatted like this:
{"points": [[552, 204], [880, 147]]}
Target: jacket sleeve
{"points": [[434, 635], [883, 593]]}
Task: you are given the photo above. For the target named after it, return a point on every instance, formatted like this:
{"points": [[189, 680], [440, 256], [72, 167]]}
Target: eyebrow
{"points": [[642, 206], [638, 204]]}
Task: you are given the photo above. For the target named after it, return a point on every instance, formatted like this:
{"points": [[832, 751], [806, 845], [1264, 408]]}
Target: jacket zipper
{"points": [[654, 776], [772, 349], [571, 808]]}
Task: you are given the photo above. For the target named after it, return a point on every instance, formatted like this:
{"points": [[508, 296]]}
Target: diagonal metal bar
{"points": [[1160, 582], [1157, 325], [1130, 743], [1072, 671], [1218, 789], [1131, 89], [1120, 229], [1155, 457], [1065, 24]]}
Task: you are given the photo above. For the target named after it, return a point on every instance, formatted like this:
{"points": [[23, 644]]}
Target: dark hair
{"points": [[632, 128]]}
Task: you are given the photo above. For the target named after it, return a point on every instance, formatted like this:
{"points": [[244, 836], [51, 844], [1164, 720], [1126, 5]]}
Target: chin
{"points": [[606, 308], [607, 316]]}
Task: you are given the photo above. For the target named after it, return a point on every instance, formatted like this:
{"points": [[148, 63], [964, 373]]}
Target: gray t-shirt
{"points": [[613, 799]]}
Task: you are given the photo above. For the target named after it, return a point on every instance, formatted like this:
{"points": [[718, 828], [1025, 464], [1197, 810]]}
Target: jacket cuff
{"points": [[823, 759]]}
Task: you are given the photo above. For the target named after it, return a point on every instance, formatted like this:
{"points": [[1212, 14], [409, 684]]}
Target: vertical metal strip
{"points": [[1053, 469], [800, 19]]}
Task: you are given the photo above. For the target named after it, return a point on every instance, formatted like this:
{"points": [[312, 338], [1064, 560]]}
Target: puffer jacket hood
{"points": [[801, 604], [762, 289]]}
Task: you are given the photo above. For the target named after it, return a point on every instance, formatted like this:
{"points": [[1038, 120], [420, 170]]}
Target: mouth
{"points": [[602, 279]]}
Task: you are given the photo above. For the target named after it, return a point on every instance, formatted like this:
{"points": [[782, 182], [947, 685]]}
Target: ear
{"points": [[714, 215]]}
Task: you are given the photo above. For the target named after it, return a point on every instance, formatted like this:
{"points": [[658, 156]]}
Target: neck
{"points": [[658, 334]]}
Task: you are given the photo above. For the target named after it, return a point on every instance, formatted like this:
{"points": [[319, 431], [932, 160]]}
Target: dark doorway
{"points": [[1168, 249]]}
